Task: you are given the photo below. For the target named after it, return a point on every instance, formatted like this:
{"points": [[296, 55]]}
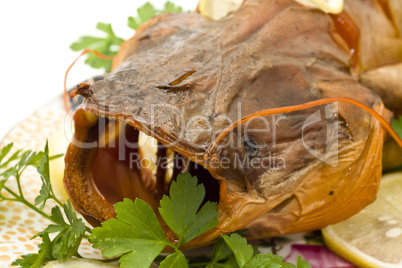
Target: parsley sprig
{"points": [[68, 235], [135, 237], [108, 46], [138, 235], [109, 43], [136, 228], [21, 160], [148, 11]]}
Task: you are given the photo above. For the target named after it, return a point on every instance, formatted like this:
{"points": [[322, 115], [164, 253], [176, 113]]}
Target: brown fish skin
{"points": [[380, 47], [267, 54]]}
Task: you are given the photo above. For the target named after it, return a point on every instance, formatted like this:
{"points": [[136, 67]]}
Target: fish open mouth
{"points": [[130, 164], [110, 160]]}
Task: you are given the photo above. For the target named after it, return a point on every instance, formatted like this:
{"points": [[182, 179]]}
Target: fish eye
{"points": [[251, 147]]}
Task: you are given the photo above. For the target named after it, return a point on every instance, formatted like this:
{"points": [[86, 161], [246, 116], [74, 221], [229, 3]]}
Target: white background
{"points": [[34, 48]]}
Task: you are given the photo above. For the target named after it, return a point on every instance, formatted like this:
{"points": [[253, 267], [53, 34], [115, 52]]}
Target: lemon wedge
{"points": [[218, 9], [78, 263], [373, 237], [328, 6], [58, 145]]}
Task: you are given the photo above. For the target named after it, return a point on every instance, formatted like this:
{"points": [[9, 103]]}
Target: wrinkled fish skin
{"points": [[267, 54]]}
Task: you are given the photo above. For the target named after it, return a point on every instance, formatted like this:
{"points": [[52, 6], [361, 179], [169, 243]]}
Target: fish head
{"points": [[183, 80]]}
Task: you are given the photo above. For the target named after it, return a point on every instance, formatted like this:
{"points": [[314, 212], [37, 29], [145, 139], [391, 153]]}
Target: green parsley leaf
{"points": [[28, 158], [25, 159], [180, 209], [242, 251], [66, 243], [230, 263], [43, 196], [43, 170], [136, 232], [14, 157], [144, 13], [8, 173], [41, 160], [148, 11], [397, 126], [4, 151], [2, 183], [69, 236], [267, 260], [132, 23], [26, 261], [171, 8], [36, 260], [57, 216], [300, 263], [108, 45], [221, 251], [44, 253], [176, 260]]}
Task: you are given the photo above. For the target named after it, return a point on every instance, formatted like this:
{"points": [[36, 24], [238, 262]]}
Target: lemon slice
{"points": [[328, 6], [79, 263], [218, 9], [58, 145], [373, 237]]}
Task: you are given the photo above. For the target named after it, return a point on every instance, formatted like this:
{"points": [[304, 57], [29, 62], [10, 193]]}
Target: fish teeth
{"points": [[148, 148]]}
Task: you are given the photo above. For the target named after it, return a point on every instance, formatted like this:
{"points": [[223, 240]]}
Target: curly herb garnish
{"points": [[68, 235], [135, 237], [109, 45]]}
